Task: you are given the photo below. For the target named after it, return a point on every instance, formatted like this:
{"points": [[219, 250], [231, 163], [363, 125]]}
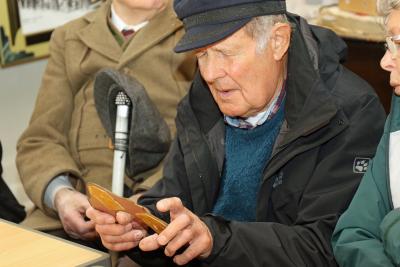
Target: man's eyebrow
{"points": [[223, 49], [218, 49], [393, 31]]}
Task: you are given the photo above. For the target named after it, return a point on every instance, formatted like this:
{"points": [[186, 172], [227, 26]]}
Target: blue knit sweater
{"points": [[247, 151]]}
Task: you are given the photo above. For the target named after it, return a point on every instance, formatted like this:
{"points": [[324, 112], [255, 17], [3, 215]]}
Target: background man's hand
{"points": [[185, 229], [117, 234], [71, 206]]}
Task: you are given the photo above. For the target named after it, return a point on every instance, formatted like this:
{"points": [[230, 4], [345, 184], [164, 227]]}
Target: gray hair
{"points": [[259, 28], [386, 6]]}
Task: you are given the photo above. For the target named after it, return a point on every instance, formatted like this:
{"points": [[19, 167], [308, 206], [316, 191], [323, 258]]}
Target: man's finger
{"points": [[183, 238], [90, 235], [123, 217], [172, 204], [85, 229], [73, 235], [149, 243], [193, 251], [131, 236], [99, 217], [119, 246], [173, 229], [113, 229], [81, 226]]}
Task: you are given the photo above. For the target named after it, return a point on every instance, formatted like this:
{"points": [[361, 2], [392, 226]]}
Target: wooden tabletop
{"points": [[25, 247]]}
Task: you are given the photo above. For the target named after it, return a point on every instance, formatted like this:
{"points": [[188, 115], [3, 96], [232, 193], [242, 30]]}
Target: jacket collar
{"points": [[95, 38], [309, 104]]}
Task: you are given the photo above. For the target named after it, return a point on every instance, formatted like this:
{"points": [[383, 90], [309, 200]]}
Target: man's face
{"points": [[241, 80], [390, 62], [143, 4]]}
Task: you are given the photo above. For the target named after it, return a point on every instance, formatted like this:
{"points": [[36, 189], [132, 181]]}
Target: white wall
{"points": [[18, 88]]}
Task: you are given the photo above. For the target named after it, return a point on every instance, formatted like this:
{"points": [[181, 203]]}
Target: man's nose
{"points": [[212, 70], [387, 62]]}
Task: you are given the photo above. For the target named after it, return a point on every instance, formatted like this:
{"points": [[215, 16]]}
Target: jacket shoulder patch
{"points": [[360, 165], [278, 180]]}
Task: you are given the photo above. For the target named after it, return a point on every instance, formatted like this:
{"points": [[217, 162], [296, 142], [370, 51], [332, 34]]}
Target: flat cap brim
{"points": [[197, 37], [208, 21]]}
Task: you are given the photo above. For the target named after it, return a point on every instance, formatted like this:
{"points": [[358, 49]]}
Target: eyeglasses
{"points": [[392, 44]]}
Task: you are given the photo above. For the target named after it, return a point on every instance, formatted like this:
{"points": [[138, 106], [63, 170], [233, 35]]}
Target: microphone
{"points": [[123, 104]]}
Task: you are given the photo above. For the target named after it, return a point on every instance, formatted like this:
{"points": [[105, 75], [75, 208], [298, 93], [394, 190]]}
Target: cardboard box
{"points": [[366, 7]]}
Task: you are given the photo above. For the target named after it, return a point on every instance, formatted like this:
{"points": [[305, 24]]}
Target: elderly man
{"points": [[272, 141]]}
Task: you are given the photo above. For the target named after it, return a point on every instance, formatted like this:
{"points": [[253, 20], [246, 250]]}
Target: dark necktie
{"points": [[127, 33]]}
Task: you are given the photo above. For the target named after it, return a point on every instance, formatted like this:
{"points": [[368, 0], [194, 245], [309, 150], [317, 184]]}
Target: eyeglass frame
{"points": [[392, 46]]}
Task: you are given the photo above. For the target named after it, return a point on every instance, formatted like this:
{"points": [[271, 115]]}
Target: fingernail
{"points": [[162, 240], [176, 261], [167, 253]]}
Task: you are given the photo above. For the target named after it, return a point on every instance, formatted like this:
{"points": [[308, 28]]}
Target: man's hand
{"points": [[185, 229], [118, 234], [71, 206]]}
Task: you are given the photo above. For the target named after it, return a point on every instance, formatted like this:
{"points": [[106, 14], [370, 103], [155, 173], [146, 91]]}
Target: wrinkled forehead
{"points": [[392, 23], [235, 41]]}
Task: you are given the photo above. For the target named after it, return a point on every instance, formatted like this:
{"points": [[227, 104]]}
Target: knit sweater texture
{"points": [[247, 152]]}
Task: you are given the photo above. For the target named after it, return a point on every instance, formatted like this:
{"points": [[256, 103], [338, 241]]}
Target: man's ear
{"points": [[280, 40]]}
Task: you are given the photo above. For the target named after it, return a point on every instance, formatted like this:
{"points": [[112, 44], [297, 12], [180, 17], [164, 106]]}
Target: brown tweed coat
{"points": [[65, 134]]}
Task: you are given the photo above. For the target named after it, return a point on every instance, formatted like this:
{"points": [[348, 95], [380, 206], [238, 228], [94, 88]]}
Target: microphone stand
{"points": [[121, 142]]}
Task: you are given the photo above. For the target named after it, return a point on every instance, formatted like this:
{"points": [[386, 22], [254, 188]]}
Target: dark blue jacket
{"points": [[332, 119]]}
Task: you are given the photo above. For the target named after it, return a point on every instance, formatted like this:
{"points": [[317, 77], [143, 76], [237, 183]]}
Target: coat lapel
{"points": [[159, 28], [94, 36]]}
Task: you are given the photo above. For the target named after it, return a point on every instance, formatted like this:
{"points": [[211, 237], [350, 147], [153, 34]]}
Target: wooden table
{"points": [[25, 247]]}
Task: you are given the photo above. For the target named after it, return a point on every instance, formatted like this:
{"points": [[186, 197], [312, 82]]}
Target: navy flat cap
{"points": [[209, 21]]}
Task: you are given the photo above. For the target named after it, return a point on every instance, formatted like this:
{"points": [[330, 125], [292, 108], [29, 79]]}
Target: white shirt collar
{"points": [[261, 117], [121, 25]]}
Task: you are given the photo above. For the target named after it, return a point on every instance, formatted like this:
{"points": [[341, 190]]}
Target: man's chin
{"points": [[231, 113], [234, 109], [397, 90]]}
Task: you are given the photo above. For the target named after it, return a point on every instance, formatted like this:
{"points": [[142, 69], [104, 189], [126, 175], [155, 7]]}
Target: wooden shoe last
{"points": [[106, 201]]}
